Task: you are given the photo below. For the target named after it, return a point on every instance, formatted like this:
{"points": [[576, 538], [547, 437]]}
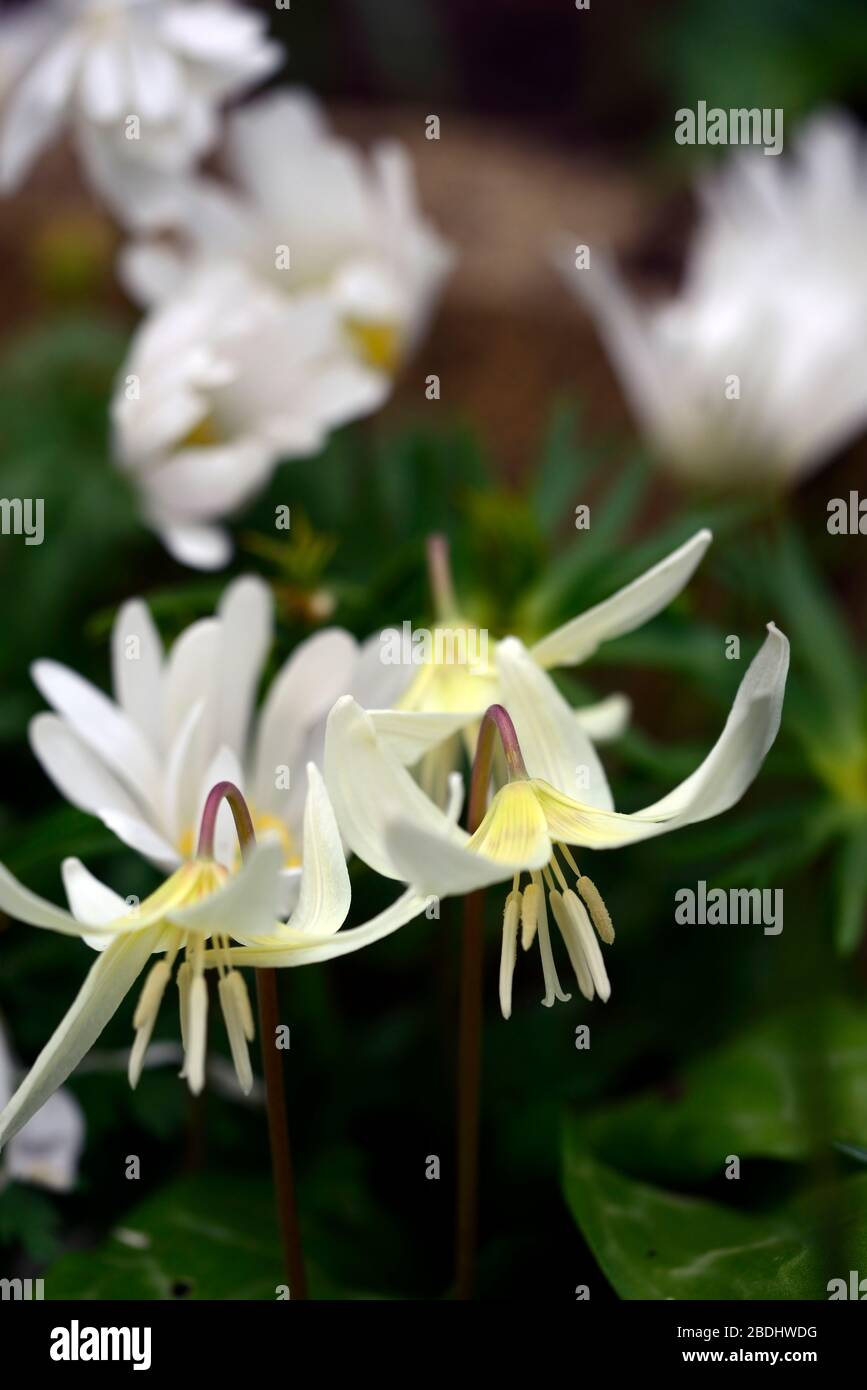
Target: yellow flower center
{"points": [[262, 823], [203, 435], [378, 343]]}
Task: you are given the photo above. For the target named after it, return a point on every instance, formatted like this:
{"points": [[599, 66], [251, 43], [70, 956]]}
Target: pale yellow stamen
{"points": [[573, 945], [184, 980], [198, 1033], [530, 912], [597, 909], [577, 915], [146, 1016], [235, 1005], [511, 917], [553, 988]]}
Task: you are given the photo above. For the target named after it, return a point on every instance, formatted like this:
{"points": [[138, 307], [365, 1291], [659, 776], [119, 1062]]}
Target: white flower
{"points": [[757, 369], [182, 720], [47, 1150], [197, 913], [307, 211], [221, 383], [138, 83], [556, 797]]}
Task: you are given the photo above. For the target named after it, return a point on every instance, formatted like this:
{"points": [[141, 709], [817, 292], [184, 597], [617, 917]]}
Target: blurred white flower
{"points": [[307, 210], [223, 381], [48, 1148], [137, 82], [757, 369], [183, 720]]}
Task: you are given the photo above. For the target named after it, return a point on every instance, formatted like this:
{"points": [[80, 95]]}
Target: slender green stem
{"points": [[269, 1019]]}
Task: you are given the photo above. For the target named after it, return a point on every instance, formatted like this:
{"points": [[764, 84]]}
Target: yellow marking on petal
{"points": [[203, 435], [513, 830], [262, 824], [378, 343]]}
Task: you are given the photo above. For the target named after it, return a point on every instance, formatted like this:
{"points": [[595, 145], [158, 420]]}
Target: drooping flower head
{"points": [[555, 798], [193, 923]]}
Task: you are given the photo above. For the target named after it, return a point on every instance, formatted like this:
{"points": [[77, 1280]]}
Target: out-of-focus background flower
{"points": [[604, 1166]]}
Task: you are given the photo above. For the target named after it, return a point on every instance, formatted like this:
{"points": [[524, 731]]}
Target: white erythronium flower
{"points": [[47, 1150], [137, 82], [307, 211], [182, 720], [556, 796], [757, 369], [462, 669], [196, 914], [221, 383]]}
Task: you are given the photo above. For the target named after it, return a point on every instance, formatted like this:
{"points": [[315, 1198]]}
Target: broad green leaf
{"points": [[754, 1097], [203, 1237], [655, 1244], [851, 889]]}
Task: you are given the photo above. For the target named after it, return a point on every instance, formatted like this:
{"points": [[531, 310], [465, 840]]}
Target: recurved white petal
{"points": [[715, 785], [306, 948], [108, 981], [370, 789], [626, 610], [325, 896], [91, 902], [24, 906]]}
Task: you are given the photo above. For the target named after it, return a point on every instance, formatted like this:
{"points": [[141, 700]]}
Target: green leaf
{"points": [[654, 1244], [30, 1219], [850, 876], [754, 1097], [563, 467], [203, 1237]]}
